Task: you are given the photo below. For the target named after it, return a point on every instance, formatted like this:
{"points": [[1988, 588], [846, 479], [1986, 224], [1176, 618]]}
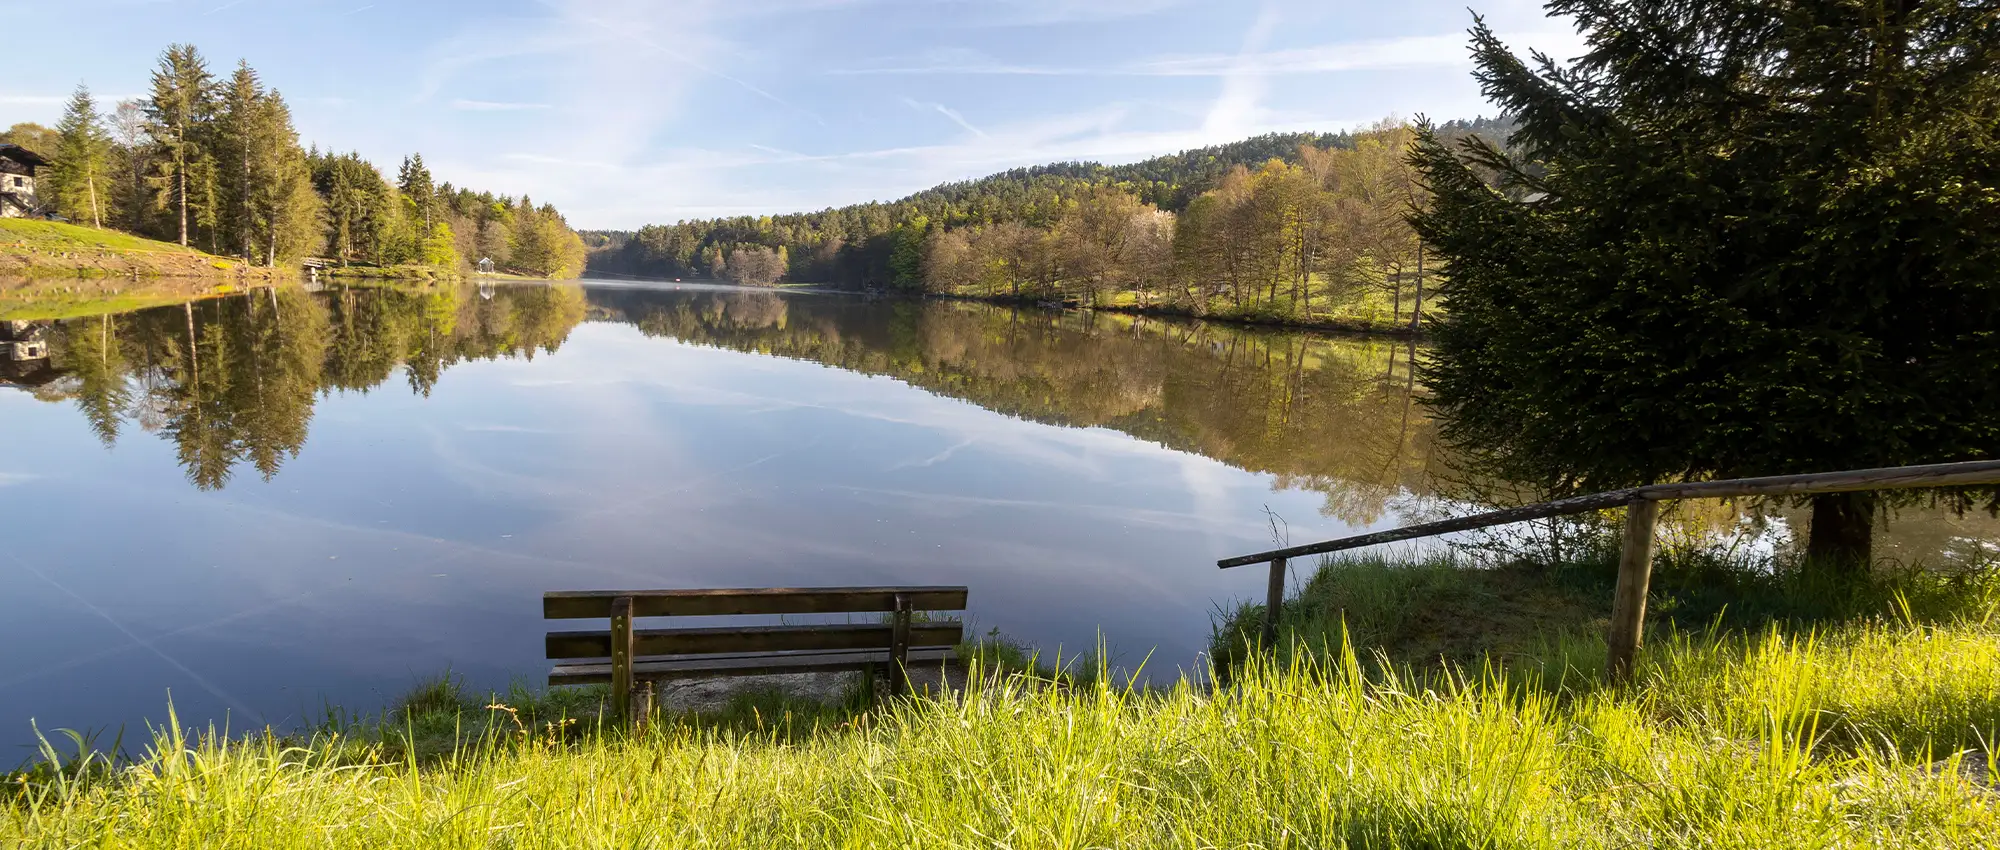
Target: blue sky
{"points": [[624, 112]]}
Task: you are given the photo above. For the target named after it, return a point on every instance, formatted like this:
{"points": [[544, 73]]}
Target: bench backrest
{"points": [[621, 606]]}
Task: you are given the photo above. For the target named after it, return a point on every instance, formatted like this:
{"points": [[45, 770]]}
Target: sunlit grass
{"points": [[1845, 738]]}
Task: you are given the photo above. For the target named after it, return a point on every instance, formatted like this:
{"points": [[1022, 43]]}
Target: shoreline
{"points": [[1337, 326]]}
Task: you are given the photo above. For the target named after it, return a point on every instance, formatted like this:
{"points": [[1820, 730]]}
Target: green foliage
{"points": [[871, 244], [181, 104], [1540, 615], [30, 135], [218, 164], [74, 181], [440, 248], [1743, 238]]}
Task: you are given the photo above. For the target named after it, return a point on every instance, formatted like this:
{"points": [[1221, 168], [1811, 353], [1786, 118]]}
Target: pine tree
{"points": [[182, 102], [1745, 238], [243, 148], [82, 149], [285, 209], [415, 182]]}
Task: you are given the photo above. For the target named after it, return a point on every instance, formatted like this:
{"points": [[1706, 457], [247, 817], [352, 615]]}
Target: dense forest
{"points": [[1282, 225], [214, 163]]}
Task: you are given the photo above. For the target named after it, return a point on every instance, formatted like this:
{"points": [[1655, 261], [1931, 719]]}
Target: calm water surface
{"points": [[272, 501]]}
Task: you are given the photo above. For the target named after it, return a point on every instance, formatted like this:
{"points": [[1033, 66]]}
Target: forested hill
{"points": [[857, 245]]}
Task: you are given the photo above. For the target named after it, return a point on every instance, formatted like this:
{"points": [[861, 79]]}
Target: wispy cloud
{"points": [[1046, 12], [947, 112], [1242, 87], [494, 106], [1378, 55]]}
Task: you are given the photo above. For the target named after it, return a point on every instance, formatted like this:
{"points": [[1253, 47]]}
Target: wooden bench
{"points": [[625, 656]]}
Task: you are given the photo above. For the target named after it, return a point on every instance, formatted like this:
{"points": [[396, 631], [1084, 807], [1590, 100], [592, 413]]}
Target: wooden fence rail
{"points": [[1635, 564]]}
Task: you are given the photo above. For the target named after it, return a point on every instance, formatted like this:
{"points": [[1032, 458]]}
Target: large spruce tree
{"points": [[1736, 237], [177, 114]]}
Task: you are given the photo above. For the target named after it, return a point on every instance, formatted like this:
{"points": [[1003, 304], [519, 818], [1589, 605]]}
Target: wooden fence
{"points": [[1642, 510]]}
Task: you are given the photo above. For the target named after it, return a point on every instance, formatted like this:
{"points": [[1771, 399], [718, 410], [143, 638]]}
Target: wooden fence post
{"points": [[621, 658], [1274, 601], [1635, 576]]}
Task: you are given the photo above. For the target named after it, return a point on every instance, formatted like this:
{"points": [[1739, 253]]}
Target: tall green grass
{"points": [[1846, 737]]}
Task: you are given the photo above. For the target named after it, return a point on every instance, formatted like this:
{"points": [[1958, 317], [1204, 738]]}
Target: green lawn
{"points": [[57, 236], [1846, 734]]}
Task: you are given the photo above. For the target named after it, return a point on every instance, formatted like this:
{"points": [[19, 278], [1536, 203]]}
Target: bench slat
{"points": [[588, 604], [708, 641], [686, 668]]}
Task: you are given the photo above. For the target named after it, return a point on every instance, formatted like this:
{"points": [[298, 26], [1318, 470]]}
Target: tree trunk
{"points": [[1843, 532], [96, 218], [1417, 311], [181, 179]]}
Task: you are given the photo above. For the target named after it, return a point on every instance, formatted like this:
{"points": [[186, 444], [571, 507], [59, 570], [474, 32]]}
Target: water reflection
{"points": [[232, 381], [1334, 415]]}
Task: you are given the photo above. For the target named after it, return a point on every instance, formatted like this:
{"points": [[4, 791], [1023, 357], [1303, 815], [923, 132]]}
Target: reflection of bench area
{"points": [[629, 658]]}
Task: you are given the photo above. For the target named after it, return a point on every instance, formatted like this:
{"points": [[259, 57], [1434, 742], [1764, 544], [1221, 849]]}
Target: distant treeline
{"points": [[215, 164], [1287, 224]]}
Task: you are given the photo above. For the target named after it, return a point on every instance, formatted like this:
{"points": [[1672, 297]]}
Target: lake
{"points": [[270, 502], [278, 500]]}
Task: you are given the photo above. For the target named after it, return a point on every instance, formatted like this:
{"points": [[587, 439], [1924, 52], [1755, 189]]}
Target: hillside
{"points": [[33, 248], [852, 245]]}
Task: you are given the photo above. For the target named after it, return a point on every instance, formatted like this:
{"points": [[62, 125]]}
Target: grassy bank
{"points": [[404, 271], [34, 248], [1848, 733], [1360, 321]]}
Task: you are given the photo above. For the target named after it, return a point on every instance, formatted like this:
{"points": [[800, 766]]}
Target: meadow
{"points": [[1858, 724]]}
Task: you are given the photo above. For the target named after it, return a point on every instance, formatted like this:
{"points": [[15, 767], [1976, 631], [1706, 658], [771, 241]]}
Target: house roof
{"points": [[22, 155]]}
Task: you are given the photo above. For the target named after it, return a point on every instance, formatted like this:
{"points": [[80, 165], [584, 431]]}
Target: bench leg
{"points": [[621, 659]]}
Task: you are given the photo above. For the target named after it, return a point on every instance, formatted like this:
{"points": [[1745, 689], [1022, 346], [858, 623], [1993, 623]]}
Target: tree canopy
{"points": [[217, 164], [1739, 238]]}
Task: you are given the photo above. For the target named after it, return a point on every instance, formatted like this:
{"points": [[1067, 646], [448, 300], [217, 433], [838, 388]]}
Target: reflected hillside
{"points": [[233, 381], [1334, 415]]}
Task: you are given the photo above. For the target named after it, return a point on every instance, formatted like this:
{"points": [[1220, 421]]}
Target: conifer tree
{"points": [[1743, 238], [82, 149], [415, 182], [181, 103]]}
